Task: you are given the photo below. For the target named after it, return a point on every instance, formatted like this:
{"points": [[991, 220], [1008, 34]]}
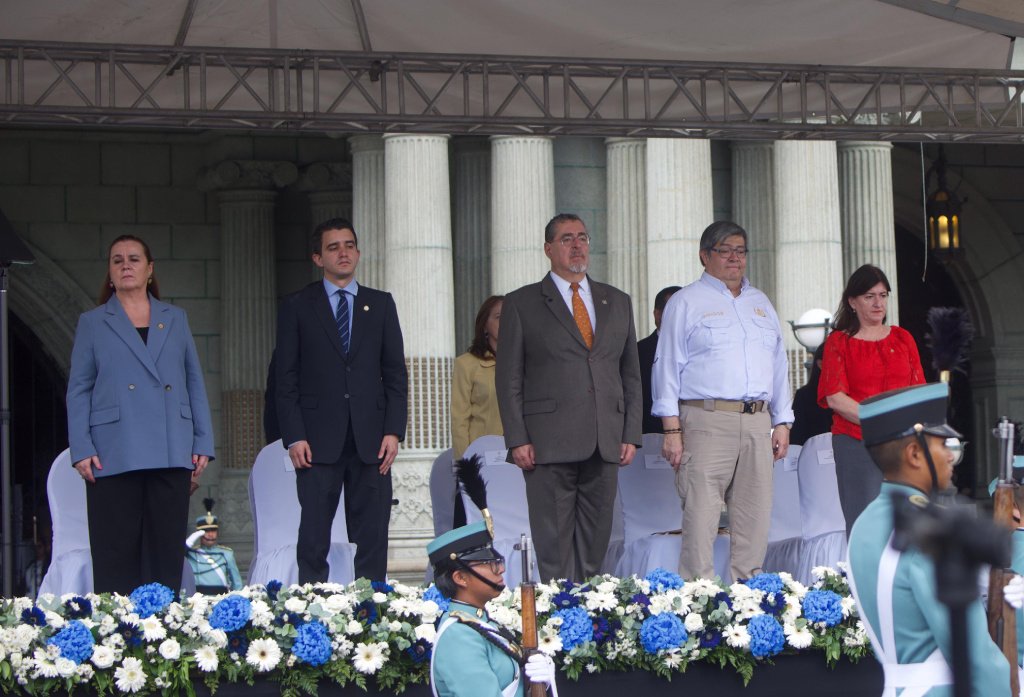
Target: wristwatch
{"points": [[787, 424]]}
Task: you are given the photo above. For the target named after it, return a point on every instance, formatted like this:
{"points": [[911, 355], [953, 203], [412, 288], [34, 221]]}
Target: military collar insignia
{"points": [[919, 500]]}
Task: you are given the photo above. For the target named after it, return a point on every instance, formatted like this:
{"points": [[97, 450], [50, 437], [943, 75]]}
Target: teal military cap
{"points": [[898, 413]]}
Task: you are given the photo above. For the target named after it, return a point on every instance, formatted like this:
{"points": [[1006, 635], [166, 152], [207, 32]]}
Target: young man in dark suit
{"points": [[342, 389], [645, 350]]}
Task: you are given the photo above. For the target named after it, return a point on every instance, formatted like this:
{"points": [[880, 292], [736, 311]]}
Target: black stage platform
{"points": [[801, 674]]}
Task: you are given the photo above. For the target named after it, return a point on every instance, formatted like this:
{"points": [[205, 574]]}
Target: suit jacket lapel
{"points": [[159, 326], [118, 320], [361, 308], [557, 305], [601, 308], [322, 310]]}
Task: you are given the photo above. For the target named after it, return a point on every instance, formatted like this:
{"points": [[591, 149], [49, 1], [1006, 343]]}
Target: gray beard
{"points": [[578, 268]]}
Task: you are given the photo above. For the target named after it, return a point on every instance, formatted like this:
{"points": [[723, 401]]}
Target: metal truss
{"points": [[176, 87]]}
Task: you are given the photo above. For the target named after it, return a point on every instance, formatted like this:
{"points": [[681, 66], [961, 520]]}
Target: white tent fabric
{"points": [[830, 32]]}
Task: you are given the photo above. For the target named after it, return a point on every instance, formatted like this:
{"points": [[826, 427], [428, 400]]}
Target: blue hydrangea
{"points": [[230, 613], [33, 616], [433, 594], [74, 641], [664, 631], [662, 580], [78, 608], [823, 606], [151, 599], [312, 645], [766, 636], [576, 627], [769, 583]]}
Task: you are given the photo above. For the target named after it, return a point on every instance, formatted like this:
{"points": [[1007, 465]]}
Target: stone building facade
{"points": [[444, 222]]}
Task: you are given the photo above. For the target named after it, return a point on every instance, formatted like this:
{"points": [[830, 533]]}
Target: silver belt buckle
{"points": [[709, 405]]}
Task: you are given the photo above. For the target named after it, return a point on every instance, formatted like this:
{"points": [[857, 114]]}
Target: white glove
{"points": [[1013, 592], [983, 574], [541, 669], [193, 539]]}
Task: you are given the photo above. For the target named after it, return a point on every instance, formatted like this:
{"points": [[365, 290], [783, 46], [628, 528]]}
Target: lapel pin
{"points": [[159, 326], [604, 302], [366, 308]]}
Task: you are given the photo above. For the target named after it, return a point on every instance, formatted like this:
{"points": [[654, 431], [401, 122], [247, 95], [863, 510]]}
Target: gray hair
{"points": [[717, 232], [549, 229]]}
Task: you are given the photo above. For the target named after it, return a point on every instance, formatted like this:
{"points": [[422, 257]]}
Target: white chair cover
{"points": [[276, 512], [617, 541], [506, 500], [71, 564], [824, 527], [442, 498], [650, 505], [70, 569], [785, 532]]}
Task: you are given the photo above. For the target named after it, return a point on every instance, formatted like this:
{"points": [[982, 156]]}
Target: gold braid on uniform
{"points": [[513, 650]]}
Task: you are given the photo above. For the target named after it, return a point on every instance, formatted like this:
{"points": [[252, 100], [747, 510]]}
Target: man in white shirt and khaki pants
{"points": [[720, 383]]}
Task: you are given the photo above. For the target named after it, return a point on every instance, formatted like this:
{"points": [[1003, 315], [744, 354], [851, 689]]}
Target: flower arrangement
{"points": [[299, 636]]}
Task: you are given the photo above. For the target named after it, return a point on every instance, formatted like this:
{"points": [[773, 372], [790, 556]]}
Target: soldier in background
{"points": [[213, 565]]}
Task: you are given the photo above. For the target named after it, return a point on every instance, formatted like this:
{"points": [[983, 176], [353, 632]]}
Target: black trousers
{"points": [[367, 514], [137, 526]]}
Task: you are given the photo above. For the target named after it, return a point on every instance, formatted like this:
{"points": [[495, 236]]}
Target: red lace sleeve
{"points": [[916, 371], [833, 368]]}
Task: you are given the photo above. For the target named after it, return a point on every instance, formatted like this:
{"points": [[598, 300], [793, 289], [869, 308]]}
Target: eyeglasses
{"points": [[726, 252], [568, 240], [497, 565]]}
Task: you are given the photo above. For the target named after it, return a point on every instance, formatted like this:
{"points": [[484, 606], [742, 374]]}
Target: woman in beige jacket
{"points": [[474, 404]]}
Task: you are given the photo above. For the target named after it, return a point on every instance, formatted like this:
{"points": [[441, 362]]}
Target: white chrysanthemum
{"points": [[426, 631], [130, 676], [44, 668], [736, 636], [693, 622], [659, 603], [368, 658], [549, 644], [263, 654], [84, 671], [24, 635], [590, 668], [379, 598], [505, 616], [797, 589], [294, 604], [848, 604], [823, 572], [153, 629], [701, 586], [102, 656], [793, 609], [3, 651], [601, 601], [404, 607], [799, 638], [206, 658], [353, 628], [54, 620], [170, 649], [65, 667], [673, 658], [107, 625]]}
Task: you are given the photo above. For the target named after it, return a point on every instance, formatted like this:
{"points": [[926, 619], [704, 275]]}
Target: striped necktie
{"points": [[341, 317]]}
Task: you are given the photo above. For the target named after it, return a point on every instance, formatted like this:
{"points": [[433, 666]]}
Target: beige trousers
{"points": [[727, 456]]}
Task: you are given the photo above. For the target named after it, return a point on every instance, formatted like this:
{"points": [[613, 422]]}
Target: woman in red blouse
{"points": [[863, 357]]}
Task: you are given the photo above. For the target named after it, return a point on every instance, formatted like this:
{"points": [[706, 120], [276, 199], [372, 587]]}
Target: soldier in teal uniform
{"points": [[1017, 562], [905, 431], [213, 565], [472, 656]]}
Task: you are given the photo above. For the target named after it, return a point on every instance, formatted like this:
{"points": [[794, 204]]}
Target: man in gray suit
{"points": [[568, 385]]}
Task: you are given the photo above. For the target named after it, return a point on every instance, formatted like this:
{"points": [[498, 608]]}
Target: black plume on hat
{"points": [[951, 334], [208, 505]]}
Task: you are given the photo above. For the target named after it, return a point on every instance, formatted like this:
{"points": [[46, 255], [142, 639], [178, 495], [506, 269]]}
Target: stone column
{"points": [[627, 225], [368, 207], [679, 207], [246, 192], [522, 203], [471, 233], [753, 209], [808, 263], [866, 212], [330, 196], [420, 276]]}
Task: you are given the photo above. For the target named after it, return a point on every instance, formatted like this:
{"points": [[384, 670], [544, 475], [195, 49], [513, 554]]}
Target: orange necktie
{"points": [[579, 313]]}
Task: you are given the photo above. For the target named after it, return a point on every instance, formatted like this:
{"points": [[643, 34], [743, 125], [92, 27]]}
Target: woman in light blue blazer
{"points": [[138, 423]]}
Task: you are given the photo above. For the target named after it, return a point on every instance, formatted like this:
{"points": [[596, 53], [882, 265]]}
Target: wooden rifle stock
{"points": [[528, 594], [1002, 619]]}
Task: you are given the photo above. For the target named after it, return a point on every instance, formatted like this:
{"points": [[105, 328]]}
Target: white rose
{"points": [[379, 598], [426, 631], [65, 667], [170, 649], [693, 622], [354, 627], [294, 604]]}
